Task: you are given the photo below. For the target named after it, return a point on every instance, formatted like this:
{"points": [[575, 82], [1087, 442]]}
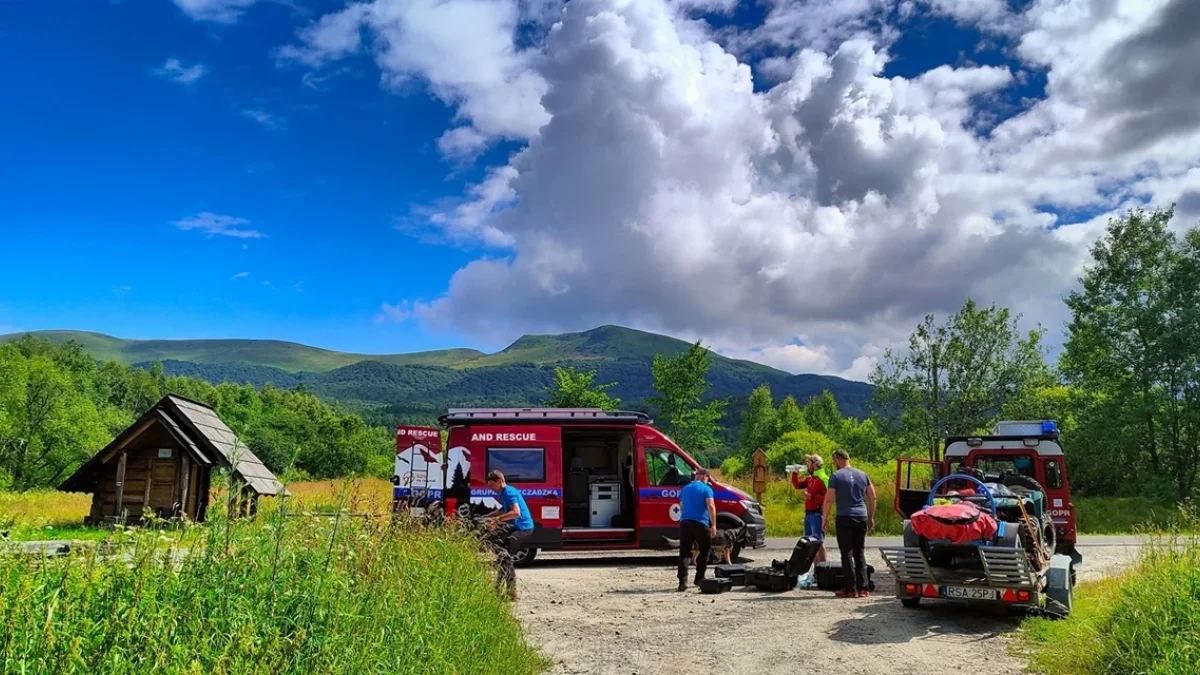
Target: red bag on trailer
{"points": [[960, 523]]}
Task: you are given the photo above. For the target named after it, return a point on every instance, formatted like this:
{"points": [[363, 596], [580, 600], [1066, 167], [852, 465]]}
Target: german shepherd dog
{"points": [[722, 547]]}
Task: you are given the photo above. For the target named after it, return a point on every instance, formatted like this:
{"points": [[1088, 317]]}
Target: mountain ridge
{"points": [[421, 384]]}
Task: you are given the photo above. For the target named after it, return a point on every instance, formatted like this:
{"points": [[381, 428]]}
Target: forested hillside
{"points": [[58, 405], [394, 387]]}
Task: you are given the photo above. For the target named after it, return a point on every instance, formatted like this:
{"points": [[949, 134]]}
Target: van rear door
{"points": [[530, 457]]}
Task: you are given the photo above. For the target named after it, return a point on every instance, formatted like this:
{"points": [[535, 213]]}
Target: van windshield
{"points": [[1002, 464], [664, 467]]}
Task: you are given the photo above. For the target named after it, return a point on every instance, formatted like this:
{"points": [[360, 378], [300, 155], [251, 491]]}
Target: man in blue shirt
{"points": [[697, 525], [513, 523]]}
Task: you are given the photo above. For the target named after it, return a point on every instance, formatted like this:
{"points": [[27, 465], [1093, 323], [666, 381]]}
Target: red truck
{"points": [[1023, 554], [594, 480]]}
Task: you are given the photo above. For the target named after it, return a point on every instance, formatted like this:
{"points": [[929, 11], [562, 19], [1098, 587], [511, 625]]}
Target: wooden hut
{"points": [[164, 463]]}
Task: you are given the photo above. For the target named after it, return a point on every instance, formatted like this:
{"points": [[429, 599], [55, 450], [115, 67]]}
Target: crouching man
{"points": [[512, 524], [697, 525]]}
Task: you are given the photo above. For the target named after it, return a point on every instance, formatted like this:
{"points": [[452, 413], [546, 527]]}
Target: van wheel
{"points": [[524, 557]]}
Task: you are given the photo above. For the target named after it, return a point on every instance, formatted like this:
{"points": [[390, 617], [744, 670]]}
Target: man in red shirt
{"points": [[816, 482]]}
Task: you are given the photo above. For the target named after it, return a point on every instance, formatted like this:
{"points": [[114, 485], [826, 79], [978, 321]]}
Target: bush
{"points": [[1146, 621], [734, 467], [276, 594], [794, 446]]}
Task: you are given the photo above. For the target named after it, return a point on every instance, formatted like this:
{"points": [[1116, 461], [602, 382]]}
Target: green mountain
{"points": [[389, 387], [287, 356]]}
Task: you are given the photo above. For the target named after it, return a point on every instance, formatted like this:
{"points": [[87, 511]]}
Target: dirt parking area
{"points": [[620, 614]]}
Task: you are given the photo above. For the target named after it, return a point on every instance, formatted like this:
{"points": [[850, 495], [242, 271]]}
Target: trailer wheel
{"points": [[524, 557], [911, 603]]}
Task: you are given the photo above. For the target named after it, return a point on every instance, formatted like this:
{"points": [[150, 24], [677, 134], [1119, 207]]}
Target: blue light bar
{"points": [[1049, 427]]}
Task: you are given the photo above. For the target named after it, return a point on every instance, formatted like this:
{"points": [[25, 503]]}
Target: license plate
{"points": [[966, 593]]}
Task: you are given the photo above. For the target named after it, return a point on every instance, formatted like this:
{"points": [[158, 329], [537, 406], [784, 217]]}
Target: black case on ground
{"points": [[736, 573], [770, 579], [802, 555], [830, 577], [715, 585]]}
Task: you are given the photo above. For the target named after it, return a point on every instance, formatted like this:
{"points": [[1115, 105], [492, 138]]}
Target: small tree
{"points": [[681, 383], [794, 446], [758, 423], [956, 376], [573, 389]]}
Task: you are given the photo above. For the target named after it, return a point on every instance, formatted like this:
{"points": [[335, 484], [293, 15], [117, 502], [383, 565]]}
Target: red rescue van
{"points": [[1014, 451], [594, 480]]}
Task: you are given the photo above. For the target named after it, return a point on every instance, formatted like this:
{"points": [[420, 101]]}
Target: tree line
{"points": [[59, 405]]}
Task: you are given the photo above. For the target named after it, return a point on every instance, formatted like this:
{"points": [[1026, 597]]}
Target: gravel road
{"points": [[620, 614]]}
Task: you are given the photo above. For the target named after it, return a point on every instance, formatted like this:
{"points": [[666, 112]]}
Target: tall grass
{"points": [[783, 505], [1145, 622], [277, 593]]}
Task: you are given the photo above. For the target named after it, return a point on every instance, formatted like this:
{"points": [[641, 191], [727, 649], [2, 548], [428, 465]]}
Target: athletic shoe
{"points": [[864, 594], [682, 586], [845, 594]]}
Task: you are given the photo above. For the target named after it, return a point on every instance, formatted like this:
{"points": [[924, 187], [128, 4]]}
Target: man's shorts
{"points": [[814, 525]]}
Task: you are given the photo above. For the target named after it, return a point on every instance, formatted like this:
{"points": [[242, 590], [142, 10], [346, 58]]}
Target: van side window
{"points": [[1054, 479], [664, 467], [519, 465]]}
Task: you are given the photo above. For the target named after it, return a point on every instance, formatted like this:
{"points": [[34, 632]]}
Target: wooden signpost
{"points": [[760, 474]]}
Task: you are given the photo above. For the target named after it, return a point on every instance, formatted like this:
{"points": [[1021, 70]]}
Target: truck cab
{"points": [[1017, 453], [594, 480]]}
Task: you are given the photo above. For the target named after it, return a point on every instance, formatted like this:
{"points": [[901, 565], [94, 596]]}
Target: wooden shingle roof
{"points": [[241, 460]]}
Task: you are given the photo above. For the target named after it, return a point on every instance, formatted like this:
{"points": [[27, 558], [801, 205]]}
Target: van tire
{"points": [[525, 557]]}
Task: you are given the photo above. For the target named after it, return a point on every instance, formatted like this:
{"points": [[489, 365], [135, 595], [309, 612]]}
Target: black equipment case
{"points": [[713, 585], [771, 579], [803, 555], [736, 573], [830, 576]]}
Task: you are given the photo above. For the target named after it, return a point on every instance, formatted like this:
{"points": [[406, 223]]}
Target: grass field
{"points": [[1145, 622], [47, 514], [279, 593]]}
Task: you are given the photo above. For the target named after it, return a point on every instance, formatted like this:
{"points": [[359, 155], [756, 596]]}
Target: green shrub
{"points": [[302, 594], [1146, 622], [734, 467], [794, 446]]}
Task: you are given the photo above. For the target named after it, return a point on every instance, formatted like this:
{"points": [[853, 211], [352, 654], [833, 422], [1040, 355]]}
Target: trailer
{"points": [[1015, 567]]}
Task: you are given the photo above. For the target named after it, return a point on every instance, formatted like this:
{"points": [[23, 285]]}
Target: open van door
{"points": [[914, 479]]}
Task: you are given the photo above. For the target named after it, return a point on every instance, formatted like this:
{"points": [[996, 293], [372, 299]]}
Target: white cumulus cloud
{"points": [[657, 188]]}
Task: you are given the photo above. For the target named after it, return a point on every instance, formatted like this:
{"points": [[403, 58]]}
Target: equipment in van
{"points": [[716, 585], [831, 577]]}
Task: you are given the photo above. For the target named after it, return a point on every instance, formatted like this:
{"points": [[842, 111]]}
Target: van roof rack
{"points": [[541, 416]]}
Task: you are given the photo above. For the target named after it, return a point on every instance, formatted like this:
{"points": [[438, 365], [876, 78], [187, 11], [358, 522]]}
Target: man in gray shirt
{"points": [[854, 495]]}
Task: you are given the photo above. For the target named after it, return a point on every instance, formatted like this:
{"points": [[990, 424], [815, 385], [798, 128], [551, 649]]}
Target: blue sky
{"points": [[104, 156], [282, 168]]}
